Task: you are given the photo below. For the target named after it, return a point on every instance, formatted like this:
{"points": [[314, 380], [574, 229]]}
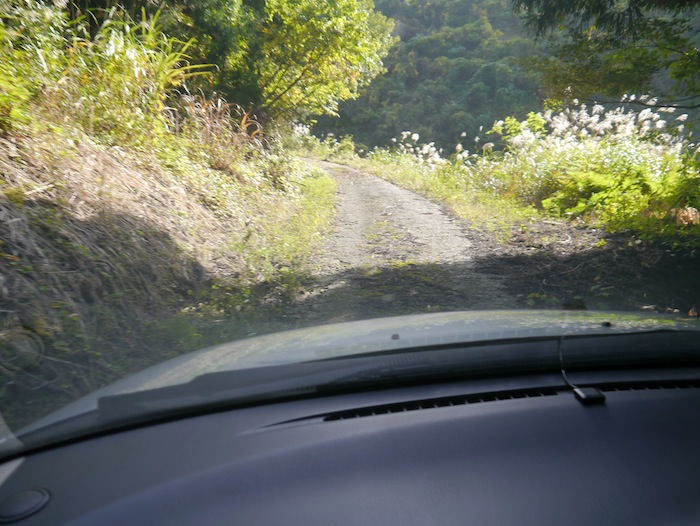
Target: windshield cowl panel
{"points": [[382, 350]]}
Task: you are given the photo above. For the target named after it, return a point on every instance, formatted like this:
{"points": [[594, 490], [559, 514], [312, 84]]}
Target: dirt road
{"points": [[394, 252]]}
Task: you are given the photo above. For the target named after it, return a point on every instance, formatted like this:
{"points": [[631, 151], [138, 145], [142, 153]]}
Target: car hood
{"points": [[376, 335]]}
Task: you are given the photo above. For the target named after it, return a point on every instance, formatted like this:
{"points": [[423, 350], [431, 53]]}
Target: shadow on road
{"points": [[614, 277]]}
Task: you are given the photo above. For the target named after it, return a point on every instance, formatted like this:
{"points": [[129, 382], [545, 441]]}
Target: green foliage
{"points": [[621, 170], [314, 53], [31, 47], [615, 48], [286, 234], [278, 58], [456, 69], [507, 128], [116, 82], [627, 20], [113, 83]]}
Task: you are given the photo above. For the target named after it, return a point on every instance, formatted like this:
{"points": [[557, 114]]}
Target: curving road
{"points": [[393, 252]]}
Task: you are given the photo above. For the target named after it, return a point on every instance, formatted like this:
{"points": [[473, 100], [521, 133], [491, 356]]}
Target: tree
{"points": [[314, 53], [454, 70], [614, 47], [280, 58]]}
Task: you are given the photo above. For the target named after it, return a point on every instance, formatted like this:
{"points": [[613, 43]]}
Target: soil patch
{"points": [[553, 264], [394, 252]]}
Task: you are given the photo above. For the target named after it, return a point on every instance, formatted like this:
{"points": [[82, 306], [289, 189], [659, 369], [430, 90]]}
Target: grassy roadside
{"points": [[136, 222], [623, 170], [111, 261], [483, 209]]}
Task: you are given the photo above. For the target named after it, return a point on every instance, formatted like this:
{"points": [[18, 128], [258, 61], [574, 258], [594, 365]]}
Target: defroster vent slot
{"points": [[648, 385], [433, 403]]}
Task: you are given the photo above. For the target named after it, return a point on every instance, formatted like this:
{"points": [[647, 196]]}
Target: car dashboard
{"points": [[515, 450]]}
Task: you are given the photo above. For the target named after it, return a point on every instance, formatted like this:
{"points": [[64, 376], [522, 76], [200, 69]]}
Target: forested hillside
{"points": [[455, 69]]}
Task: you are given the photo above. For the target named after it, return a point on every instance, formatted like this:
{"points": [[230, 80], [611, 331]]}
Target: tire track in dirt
{"points": [[393, 252]]}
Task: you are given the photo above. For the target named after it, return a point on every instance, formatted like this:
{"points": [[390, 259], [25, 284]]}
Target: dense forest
{"points": [[456, 68], [461, 65]]}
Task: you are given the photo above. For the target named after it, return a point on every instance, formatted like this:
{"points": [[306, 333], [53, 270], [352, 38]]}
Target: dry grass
{"points": [[101, 250], [90, 246]]}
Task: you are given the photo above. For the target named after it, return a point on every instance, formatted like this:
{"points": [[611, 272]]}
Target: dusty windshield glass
{"points": [[177, 175]]}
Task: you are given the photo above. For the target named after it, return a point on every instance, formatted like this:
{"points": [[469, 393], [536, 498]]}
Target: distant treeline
{"points": [[456, 69], [460, 65]]}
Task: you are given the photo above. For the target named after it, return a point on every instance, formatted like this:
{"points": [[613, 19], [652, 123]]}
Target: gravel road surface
{"points": [[394, 252]]}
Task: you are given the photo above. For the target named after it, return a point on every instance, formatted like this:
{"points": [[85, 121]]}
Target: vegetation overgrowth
{"points": [[279, 58], [616, 169], [611, 48], [134, 213], [462, 64], [456, 66]]}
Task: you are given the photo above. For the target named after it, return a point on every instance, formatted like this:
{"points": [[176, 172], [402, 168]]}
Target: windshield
{"points": [[179, 176]]}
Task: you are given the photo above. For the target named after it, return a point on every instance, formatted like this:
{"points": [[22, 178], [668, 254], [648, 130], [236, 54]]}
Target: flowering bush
{"points": [[620, 168]]}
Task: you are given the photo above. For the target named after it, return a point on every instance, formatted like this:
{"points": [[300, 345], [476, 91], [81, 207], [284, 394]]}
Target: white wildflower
{"points": [[644, 115], [415, 137], [459, 148], [660, 124], [464, 134], [682, 118]]}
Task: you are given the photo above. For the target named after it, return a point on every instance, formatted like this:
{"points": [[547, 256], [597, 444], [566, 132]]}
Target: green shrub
{"points": [[32, 38], [621, 170]]}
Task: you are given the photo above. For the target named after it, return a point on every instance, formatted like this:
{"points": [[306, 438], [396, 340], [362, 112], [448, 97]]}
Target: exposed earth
{"points": [[394, 252]]}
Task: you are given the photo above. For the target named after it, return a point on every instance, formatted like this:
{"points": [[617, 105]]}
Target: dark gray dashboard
{"points": [[491, 452]]}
